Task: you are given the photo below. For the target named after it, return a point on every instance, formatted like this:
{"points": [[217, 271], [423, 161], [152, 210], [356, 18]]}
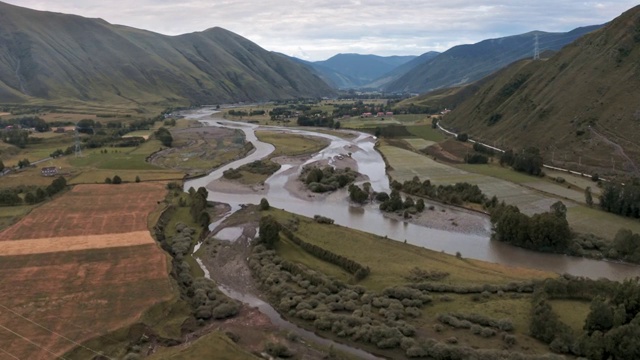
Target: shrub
{"points": [[224, 310], [277, 350], [117, 180], [107, 180]]}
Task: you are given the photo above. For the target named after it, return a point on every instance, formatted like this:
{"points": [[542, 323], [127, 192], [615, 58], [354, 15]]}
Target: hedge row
{"points": [[359, 271]]}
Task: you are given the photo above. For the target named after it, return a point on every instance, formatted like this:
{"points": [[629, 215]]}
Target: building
{"points": [[49, 171]]}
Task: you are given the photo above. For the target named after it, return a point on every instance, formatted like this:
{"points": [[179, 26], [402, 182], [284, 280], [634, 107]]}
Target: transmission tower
{"points": [[536, 49], [77, 147]]}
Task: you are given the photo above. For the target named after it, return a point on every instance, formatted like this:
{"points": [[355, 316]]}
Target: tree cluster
{"points": [[456, 194], [11, 197], [198, 206], [528, 160], [164, 136], [541, 232], [622, 199], [328, 178]]}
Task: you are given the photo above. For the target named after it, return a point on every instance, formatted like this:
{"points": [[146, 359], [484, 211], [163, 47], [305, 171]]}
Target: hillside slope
{"points": [[466, 63], [579, 107], [56, 57]]}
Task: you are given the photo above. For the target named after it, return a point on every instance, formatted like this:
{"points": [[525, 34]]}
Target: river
{"points": [[371, 219]]}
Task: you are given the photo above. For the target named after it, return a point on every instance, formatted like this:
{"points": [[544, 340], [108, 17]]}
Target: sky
{"points": [[318, 29]]}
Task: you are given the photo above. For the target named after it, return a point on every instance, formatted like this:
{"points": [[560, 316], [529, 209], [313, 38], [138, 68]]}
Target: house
{"points": [[59, 130], [389, 113], [367, 114], [49, 171], [380, 114]]}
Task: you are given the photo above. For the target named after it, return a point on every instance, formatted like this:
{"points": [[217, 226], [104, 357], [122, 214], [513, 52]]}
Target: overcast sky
{"points": [[319, 29]]}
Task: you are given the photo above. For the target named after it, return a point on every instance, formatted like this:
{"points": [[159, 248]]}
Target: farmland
{"points": [[530, 194], [90, 264]]}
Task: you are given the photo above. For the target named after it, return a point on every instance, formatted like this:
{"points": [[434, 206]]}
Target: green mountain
{"points": [[579, 107], [467, 63], [59, 58]]}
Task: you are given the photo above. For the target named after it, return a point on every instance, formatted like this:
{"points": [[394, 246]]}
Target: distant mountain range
{"points": [[467, 63], [348, 71], [68, 59], [579, 107]]}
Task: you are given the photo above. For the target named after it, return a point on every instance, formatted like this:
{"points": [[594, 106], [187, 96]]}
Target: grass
{"points": [[426, 132], [291, 144], [418, 144], [506, 185], [10, 214], [385, 273], [572, 313], [214, 345]]}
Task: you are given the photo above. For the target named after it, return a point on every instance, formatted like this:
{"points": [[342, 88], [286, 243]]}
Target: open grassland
{"points": [[215, 345], [572, 312], [291, 144], [418, 144], [11, 214], [386, 272], [90, 210], [512, 187], [200, 149], [59, 299], [426, 132]]}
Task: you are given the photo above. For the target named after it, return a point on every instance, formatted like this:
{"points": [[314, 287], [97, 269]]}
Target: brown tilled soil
{"points": [[59, 299], [74, 243], [90, 210]]}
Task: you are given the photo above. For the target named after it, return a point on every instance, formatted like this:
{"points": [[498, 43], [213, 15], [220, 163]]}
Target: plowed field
{"points": [[79, 267]]}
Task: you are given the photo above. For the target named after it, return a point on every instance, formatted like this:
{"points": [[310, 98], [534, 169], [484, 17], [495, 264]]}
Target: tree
{"points": [[1, 165], [264, 204], [117, 180], [462, 137], [559, 209], [420, 205], [600, 317], [24, 163], [269, 231], [164, 136], [588, 197], [107, 180], [9, 198], [137, 179], [337, 125]]}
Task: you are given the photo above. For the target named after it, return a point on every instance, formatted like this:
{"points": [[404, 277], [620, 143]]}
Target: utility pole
{"points": [[536, 49]]}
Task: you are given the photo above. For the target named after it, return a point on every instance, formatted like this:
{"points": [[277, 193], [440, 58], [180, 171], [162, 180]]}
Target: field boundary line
{"points": [[10, 354], [32, 342], [53, 332]]}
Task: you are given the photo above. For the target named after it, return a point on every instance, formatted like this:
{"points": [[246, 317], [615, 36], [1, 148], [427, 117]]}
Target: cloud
{"points": [[326, 27]]}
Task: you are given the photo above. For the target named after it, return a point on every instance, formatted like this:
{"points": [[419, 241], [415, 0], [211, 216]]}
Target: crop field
{"points": [[75, 295], [406, 164], [90, 210], [78, 267]]}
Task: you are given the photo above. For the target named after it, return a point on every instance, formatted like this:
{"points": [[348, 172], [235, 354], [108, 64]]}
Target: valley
{"points": [[196, 196]]}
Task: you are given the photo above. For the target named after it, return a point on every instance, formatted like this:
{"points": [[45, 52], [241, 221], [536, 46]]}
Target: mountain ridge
{"points": [[53, 57], [578, 106], [466, 63]]}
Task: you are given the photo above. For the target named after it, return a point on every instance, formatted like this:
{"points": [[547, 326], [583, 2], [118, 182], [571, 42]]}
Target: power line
{"points": [[51, 331], [10, 354], [31, 342], [536, 49]]}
